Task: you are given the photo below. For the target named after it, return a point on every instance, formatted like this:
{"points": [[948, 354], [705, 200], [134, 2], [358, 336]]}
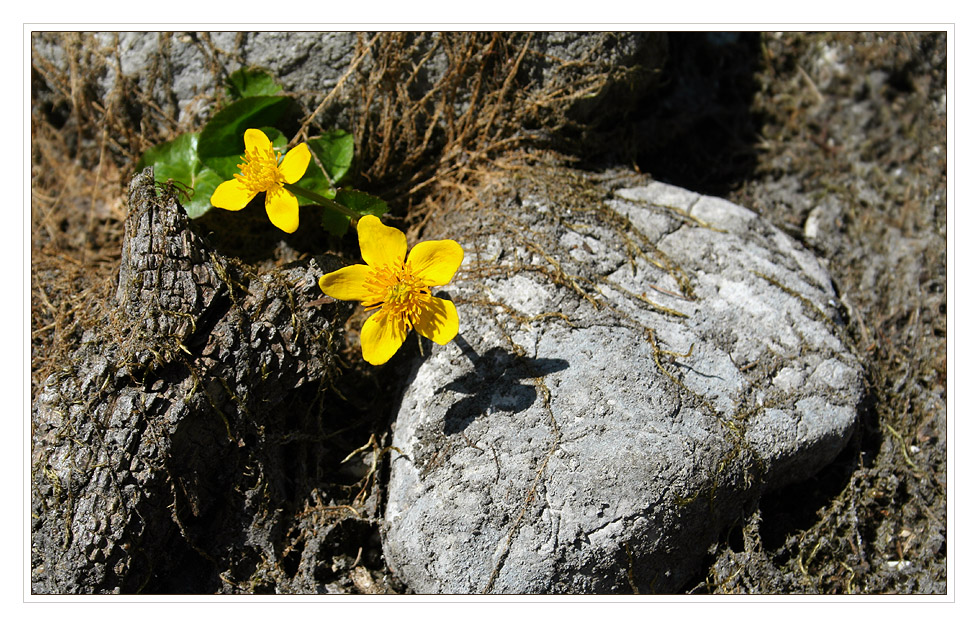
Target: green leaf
{"points": [[314, 180], [205, 182], [358, 201], [334, 223], [335, 151], [247, 83], [177, 161], [172, 160], [361, 202], [221, 141], [278, 140]]}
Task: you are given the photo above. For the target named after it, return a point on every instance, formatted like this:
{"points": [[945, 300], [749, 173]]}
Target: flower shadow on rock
{"points": [[495, 385]]}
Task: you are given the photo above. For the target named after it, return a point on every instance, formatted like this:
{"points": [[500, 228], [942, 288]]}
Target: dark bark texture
{"points": [[162, 455]]}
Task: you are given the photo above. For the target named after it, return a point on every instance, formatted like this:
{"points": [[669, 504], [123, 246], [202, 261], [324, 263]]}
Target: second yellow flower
{"points": [[399, 291]]}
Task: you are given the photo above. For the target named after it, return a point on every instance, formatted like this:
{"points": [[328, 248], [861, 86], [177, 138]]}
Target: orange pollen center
{"points": [[397, 293], [259, 171]]}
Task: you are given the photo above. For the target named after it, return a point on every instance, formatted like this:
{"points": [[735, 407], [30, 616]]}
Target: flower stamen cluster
{"points": [[398, 293], [259, 171]]}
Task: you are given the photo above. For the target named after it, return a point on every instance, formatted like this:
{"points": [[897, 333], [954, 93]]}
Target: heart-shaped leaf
{"points": [[250, 82], [177, 161], [334, 150], [363, 203]]}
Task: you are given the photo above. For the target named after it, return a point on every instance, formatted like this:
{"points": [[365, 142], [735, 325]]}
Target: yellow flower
{"points": [[399, 291], [261, 172]]}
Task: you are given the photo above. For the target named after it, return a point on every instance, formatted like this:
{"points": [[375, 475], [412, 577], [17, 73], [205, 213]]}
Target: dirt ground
{"points": [[840, 139], [848, 132]]}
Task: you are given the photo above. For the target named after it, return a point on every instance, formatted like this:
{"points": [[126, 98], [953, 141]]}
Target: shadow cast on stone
{"points": [[500, 381]]}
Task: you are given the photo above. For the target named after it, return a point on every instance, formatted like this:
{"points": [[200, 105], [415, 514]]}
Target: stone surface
{"points": [[183, 69], [636, 364]]}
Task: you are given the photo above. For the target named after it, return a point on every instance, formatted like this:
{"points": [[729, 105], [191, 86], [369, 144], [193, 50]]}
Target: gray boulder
{"points": [[636, 364]]}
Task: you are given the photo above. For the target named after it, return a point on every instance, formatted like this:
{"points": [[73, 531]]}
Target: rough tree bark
{"points": [[160, 450]]}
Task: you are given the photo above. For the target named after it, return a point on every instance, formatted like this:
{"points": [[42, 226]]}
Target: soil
{"points": [[849, 154], [840, 139]]}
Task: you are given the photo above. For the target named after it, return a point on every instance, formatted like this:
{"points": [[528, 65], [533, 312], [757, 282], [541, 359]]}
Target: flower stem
{"points": [[323, 201]]}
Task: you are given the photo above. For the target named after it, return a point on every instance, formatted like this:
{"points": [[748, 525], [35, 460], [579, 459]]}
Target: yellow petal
{"points": [[438, 320], [381, 337], [255, 139], [435, 262], [348, 283], [231, 195], [380, 245], [282, 209], [295, 163]]}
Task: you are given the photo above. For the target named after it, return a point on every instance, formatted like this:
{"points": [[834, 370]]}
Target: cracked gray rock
{"points": [[636, 364]]}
